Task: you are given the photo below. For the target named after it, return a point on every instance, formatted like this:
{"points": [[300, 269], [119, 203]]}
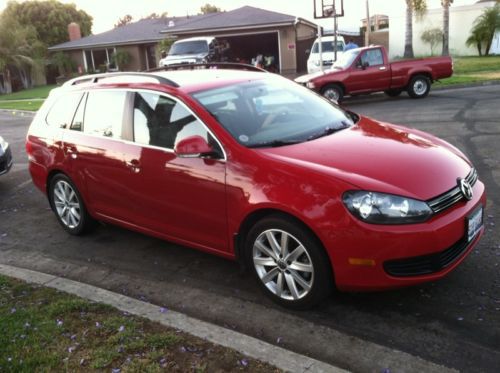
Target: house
{"points": [[249, 31], [461, 22]]}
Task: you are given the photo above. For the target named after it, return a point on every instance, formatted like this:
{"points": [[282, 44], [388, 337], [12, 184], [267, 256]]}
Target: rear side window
{"points": [[163, 122], [104, 113], [62, 112]]}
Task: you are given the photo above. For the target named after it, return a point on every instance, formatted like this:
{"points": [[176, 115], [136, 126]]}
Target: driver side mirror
{"points": [[193, 147]]}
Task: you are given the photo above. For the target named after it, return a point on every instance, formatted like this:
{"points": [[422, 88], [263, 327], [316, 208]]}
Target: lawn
{"points": [[45, 330], [473, 69], [29, 99], [37, 92]]}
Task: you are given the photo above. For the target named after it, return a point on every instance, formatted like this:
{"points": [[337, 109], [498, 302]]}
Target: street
{"points": [[454, 322]]}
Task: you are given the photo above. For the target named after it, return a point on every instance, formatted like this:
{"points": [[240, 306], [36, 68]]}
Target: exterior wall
{"points": [[135, 63], [380, 38], [288, 50], [461, 21]]}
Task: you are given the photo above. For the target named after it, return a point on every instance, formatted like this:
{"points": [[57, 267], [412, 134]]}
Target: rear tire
{"points": [[67, 204], [393, 92], [333, 92], [288, 262], [419, 86]]}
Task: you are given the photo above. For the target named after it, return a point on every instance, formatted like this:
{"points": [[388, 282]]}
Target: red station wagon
{"points": [[256, 168]]}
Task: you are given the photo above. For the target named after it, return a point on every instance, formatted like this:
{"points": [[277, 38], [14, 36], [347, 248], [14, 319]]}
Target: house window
{"points": [[100, 60]]}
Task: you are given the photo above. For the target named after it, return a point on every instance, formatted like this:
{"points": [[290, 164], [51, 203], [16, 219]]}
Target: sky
{"points": [[106, 13]]}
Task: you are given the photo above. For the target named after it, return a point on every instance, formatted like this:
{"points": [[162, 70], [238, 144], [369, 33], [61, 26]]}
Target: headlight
{"points": [[310, 85], [379, 208], [3, 145]]}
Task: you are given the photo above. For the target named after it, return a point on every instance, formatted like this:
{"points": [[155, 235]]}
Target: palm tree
{"points": [[412, 6], [484, 28], [446, 26]]}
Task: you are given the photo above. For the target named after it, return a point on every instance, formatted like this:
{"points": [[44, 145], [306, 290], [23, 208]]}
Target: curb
{"points": [[279, 357], [470, 85]]}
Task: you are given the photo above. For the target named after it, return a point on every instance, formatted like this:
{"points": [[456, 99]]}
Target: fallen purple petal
{"points": [[121, 328], [183, 349], [82, 361], [13, 310], [116, 370], [163, 309], [59, 322], [71, 349], [460, 318], [97, 324], [244, 362], [73, 337], [279, 340]]}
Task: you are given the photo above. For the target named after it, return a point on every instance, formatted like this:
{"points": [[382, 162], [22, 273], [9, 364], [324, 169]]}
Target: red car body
{"points": [[396, 76], [206, 203]]}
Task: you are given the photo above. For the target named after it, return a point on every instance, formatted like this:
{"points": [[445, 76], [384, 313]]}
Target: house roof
{"points": [[153, 30]]}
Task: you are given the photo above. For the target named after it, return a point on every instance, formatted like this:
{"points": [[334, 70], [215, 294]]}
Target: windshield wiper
{"points": [[274, 143], [327, 131]]}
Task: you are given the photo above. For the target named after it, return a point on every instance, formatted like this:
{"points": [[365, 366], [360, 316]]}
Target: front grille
{"points": [[452, 196], [5, 160], [426, 264]]}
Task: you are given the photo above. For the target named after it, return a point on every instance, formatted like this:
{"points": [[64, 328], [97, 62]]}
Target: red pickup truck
{"points": [[367, 70]]}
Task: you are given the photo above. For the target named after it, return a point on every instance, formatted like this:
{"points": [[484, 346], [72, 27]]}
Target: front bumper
{"points": [[6, 161], [378, 257]]}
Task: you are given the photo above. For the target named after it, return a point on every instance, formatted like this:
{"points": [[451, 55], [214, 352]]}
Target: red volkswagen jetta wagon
{"points": [[253, 167]]}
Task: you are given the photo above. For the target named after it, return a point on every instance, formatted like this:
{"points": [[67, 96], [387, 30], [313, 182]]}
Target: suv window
{"points": [[63, 110], [161, 121], [104, 113], [373, 57]]}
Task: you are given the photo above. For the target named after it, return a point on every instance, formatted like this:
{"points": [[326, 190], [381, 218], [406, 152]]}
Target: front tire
{"points": [[67, 204], [288, 262], [419, 86], [333, 92]]}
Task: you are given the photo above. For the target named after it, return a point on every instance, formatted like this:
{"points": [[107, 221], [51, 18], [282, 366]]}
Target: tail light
{"points": [[29, 149]]}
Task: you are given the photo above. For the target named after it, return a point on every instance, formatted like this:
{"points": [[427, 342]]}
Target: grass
{"points": [[472, 70], [37, 92], [43, 330], [21, 105]]}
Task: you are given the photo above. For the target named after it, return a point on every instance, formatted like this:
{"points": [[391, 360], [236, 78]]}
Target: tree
{"points": [[484, 28], [209, 8], [18, 48], [432, 37], [446, 26], [477, 38], [49, 18], [419, 8], [125, 20], [156, 15]]}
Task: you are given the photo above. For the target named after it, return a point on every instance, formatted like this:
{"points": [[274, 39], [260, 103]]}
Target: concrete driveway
{"points": [[454, 322]]}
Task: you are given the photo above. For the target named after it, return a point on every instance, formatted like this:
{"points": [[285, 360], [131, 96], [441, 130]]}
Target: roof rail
{"points": [[209, 65], [96, 77]]}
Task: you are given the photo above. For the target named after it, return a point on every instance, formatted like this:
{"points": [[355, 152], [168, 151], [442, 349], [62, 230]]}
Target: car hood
{"points": [[381, 157], [184, 57], [309, 77]]}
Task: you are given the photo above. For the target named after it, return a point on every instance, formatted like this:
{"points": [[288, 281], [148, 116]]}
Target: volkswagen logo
{"points": [[465, 188]]}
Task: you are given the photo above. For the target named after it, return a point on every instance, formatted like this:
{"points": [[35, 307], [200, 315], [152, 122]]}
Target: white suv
{"points": [[328, 54]]}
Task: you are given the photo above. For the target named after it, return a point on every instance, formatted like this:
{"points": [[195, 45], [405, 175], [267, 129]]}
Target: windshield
{"points": [[346, 59], [189, 47], [273, 112], [327, 46]]}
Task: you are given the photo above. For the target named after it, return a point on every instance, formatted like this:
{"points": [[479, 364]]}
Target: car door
{"points": [[96, 153], [183, 198], [370, 72]]}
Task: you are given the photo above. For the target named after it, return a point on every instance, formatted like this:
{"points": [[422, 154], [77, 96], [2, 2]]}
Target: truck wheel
{"points": [[419, 86], [393, 92], [333, 92]]}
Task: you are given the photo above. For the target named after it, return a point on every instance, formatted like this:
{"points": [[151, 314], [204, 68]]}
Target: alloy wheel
{"points": [[67, 204], [283, 264]]}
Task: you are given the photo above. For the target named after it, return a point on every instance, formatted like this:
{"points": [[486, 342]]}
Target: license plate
{"points": [[474, 223]]}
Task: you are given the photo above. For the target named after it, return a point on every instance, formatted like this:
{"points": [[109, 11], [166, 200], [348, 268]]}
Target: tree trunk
{"points": [[409, 30], [446, 28], [479, 49]]}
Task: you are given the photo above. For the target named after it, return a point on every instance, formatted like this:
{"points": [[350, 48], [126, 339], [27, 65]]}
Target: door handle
{"points": [[134, 165], [382, 68]]}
